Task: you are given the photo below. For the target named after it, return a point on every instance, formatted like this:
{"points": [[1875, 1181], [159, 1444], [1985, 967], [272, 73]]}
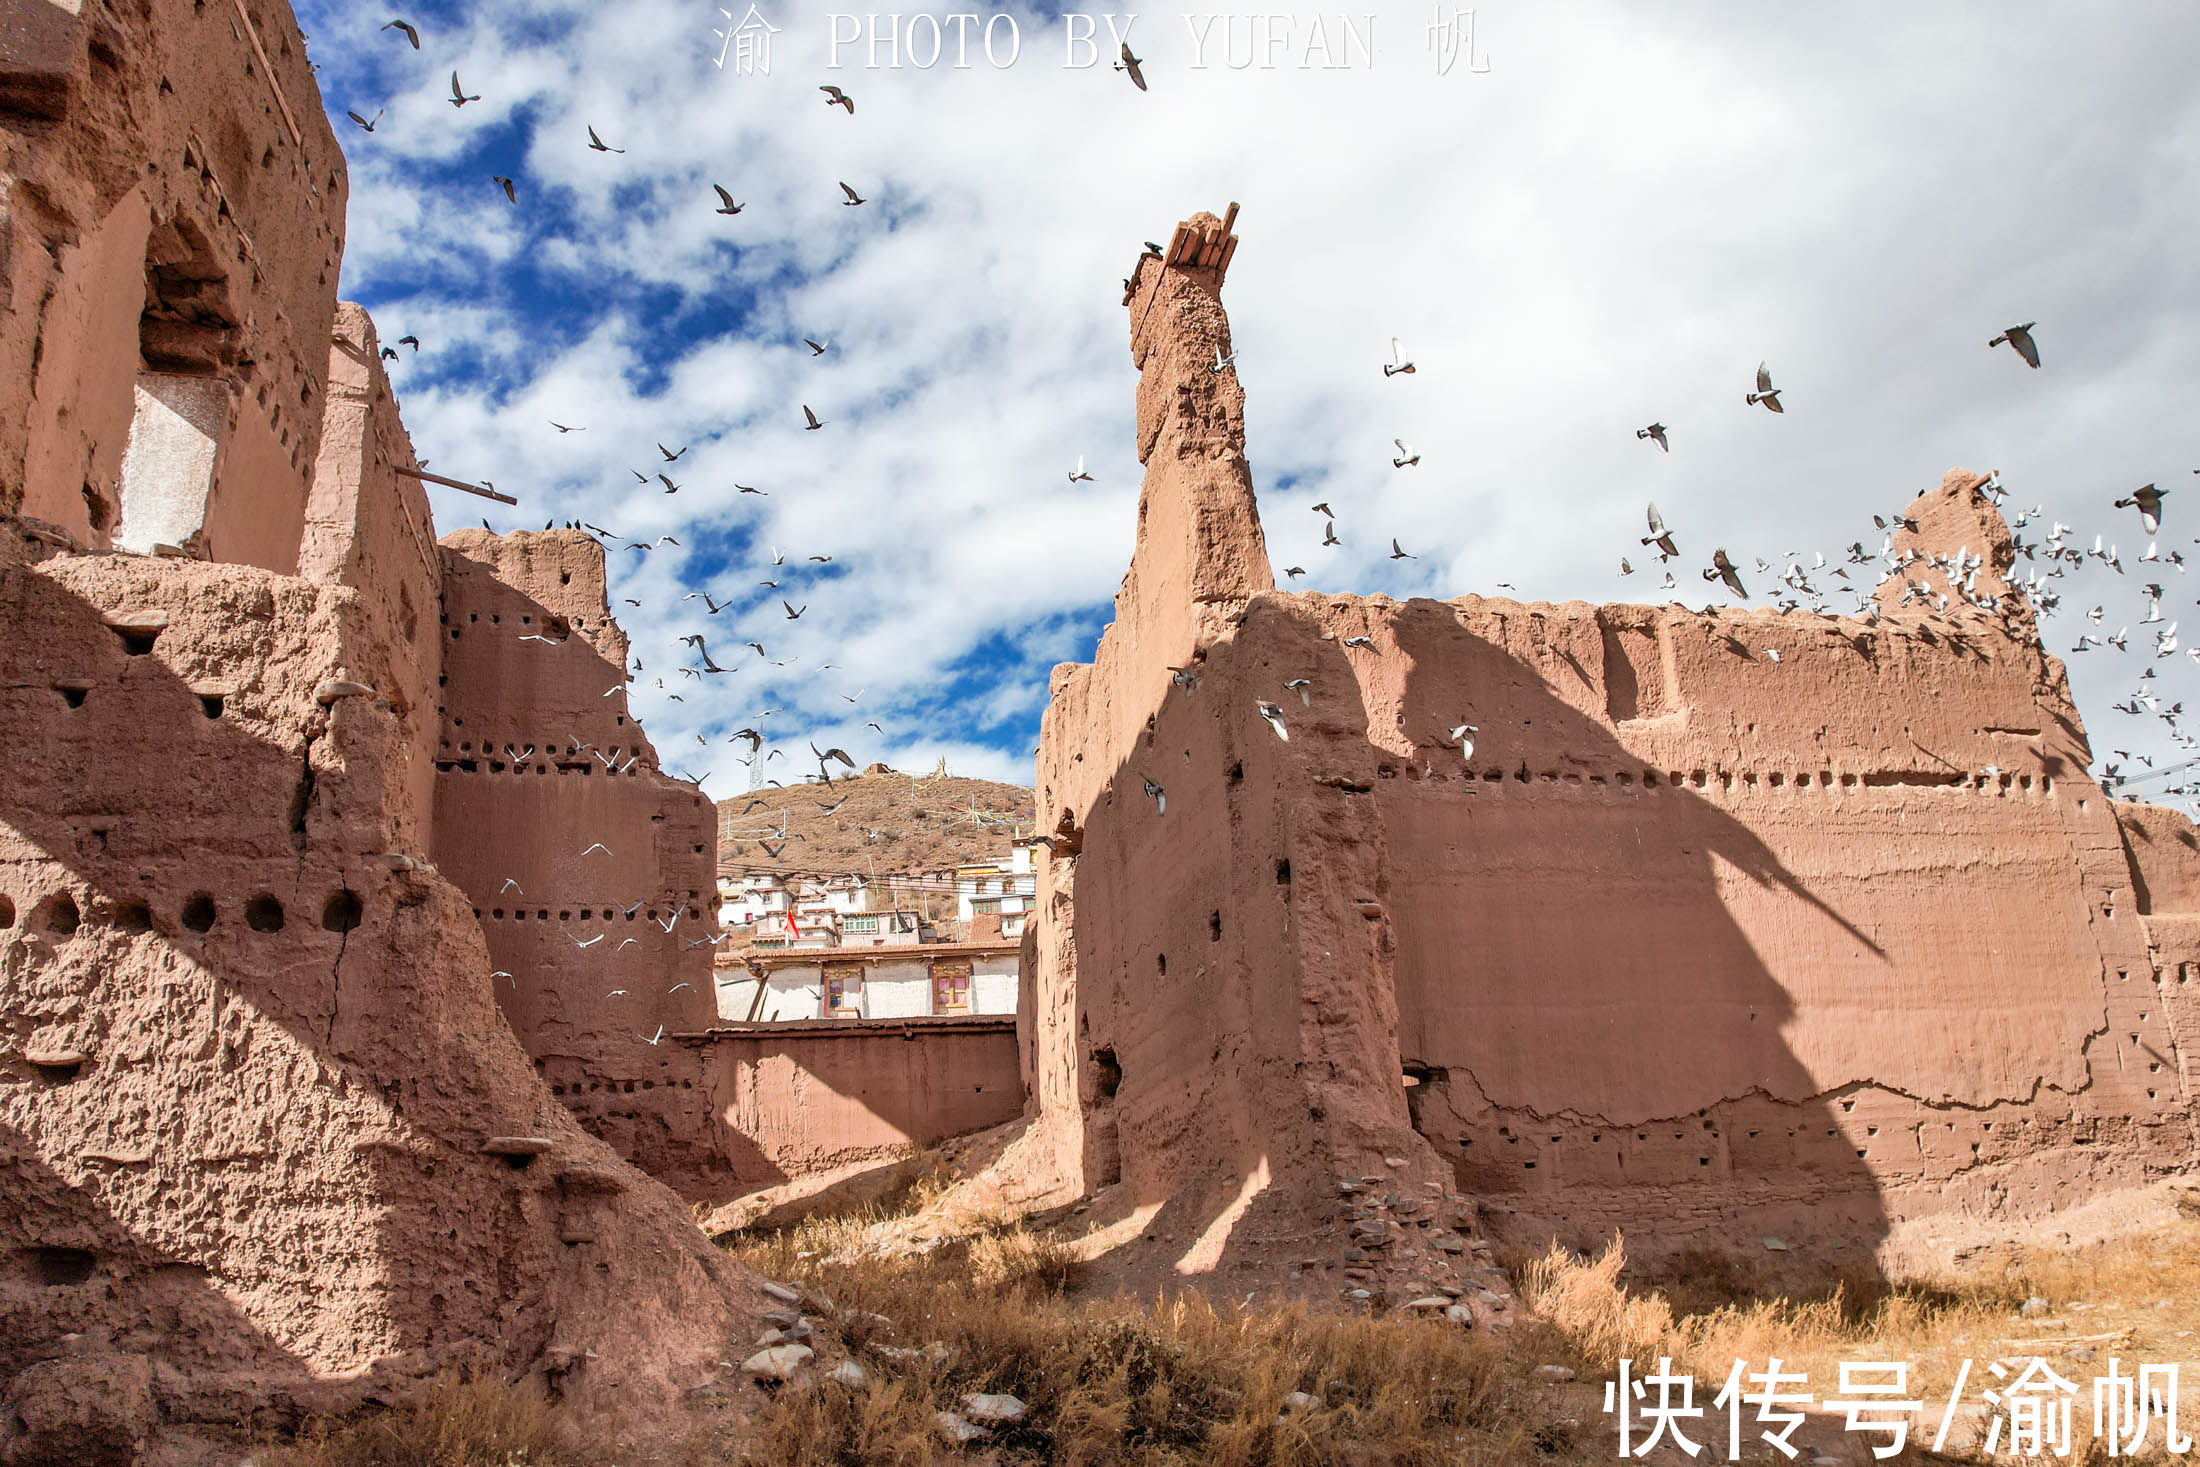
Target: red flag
{"points": [[792, 930]]}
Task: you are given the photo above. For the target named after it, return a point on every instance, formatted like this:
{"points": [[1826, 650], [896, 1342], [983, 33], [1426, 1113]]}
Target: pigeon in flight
{"points": [[1078, 474], [458, 94], [1130, 64], [1660, 536], [1293, 572], [1397, 554], [1397, 366], [1656, 434], [670, 487], [1624, 568], [817, 348], [411, 32], [792, 614], [598, 145], [1407, 458], [1222, 363], [811, 420], [1329, 534], [1323, 508], [1722, 569], [1766, 393], [750, 489], [1158, 795], [1304, 688], [1274, 715], [670, 456], [2148, 501], [726, 205], [363, 123], [835, 97], [1463, 736], [562, 428], [505, 184], [853, 198], [2020, 337]]}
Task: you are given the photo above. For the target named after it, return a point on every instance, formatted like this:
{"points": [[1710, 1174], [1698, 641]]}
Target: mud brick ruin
{"points": [[1697, 943], [283, 1126], [324, 843]]}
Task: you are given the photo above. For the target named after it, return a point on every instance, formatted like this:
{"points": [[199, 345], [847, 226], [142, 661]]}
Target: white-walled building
{"points": [[930, 981], [1005, 889]]}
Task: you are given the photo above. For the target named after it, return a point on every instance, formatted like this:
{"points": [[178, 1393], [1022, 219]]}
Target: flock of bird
{"points": [[1859, 572], [2043, 563]]}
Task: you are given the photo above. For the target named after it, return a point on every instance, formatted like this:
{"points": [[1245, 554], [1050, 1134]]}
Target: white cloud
{"points": [[1615, 223]]}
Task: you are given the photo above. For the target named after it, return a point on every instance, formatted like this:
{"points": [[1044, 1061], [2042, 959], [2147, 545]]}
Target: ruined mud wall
{"points": [[1710, 944], [268, 1145], [592, 871], [171, 220], [805, 1098]]}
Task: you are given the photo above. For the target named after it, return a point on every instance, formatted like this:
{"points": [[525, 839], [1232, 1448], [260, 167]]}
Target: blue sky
{"points": [[1613, 223]]}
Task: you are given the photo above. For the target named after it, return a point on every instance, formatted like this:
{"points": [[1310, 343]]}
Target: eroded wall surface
{"points": [[1701, 941], [269, 1145]]}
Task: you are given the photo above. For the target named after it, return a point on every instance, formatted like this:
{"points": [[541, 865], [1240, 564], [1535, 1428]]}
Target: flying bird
{"points": [[1293, 572], [748, 489], [1323, 508], [1463, 736], [368, 126], [817, 348], [726, 205], [670, 456], [1274, 715], [1304, 688], [1329, 534], [1722, 569], [1222, 363], [1397, 366], [670, 487], [2020, 337], [505, 184], [1656, 434], [1766, 393], [411, 32], [458, 94], [1130, 64], [2148, 501], [562, 428], [811, 420], [853, 198], [1158, 795], [1660, 536], [1407, 458], [1398, 554], [835, 97], [792, 614], [1078, 474], [598, 145]]}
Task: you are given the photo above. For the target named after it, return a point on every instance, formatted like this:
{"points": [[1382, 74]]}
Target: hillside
{"points": [[885, 821]]}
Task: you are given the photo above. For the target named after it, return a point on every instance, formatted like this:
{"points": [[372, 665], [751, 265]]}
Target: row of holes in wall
{"points": [[557, 624], [1915, 1133], [74, 694], [617, 1087], [1728, 779], [580, 767], [542, 914], [618, 720], [59, 916]]}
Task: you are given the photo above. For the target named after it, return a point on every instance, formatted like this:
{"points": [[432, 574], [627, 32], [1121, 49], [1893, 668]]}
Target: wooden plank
{"points": [[1229, 219], [455, 484], [1229, 248], [268, 71]]}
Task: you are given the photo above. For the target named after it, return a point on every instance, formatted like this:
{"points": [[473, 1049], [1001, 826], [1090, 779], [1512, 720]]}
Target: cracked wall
{"points": [[1704, 943]]}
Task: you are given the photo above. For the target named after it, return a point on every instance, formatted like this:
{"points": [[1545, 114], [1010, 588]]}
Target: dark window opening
{"points": [[342, 911], [264, 913]]}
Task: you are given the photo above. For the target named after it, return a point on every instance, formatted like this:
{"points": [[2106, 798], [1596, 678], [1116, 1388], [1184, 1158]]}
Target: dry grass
{"points": [[1122, 1381], [1190, 1381], [461, 1420]]}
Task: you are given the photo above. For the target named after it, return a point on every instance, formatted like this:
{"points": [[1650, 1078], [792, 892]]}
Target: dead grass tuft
{"points": [[471, 1419]]}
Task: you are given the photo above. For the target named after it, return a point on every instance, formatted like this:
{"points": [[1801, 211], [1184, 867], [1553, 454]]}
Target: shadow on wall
{"points": [[261, 1082], [1597, 1042], [1340, 919]]}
